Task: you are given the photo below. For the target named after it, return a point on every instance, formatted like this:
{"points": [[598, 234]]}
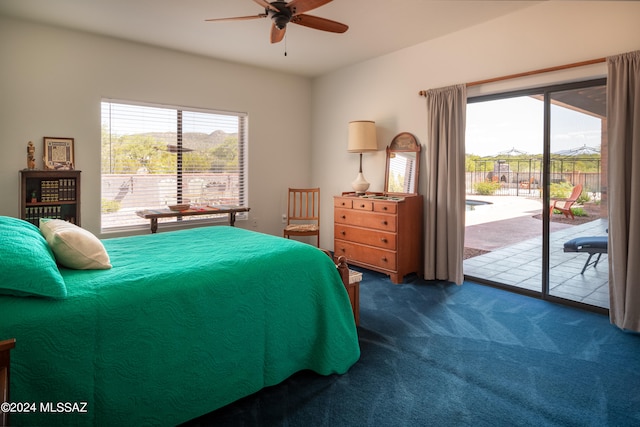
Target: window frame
{"points": [[177, 174]]}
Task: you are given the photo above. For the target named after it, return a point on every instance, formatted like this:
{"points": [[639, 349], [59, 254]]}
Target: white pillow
{"points": [[74, 247]]}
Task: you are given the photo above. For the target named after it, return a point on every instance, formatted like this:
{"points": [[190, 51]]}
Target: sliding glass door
{"points": [[578, 268], [503, 236], [526, 151]]}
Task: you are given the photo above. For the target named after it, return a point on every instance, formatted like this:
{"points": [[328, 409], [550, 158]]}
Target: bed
{"points": [[176, 325]]}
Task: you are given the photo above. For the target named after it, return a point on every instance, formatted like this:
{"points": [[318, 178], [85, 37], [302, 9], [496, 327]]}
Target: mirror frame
{"points": [[404, 142]]}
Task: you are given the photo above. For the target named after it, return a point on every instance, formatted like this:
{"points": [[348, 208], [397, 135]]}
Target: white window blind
{"points": [[154, 156]]}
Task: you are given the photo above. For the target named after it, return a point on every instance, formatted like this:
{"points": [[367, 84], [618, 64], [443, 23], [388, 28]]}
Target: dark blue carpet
{"points": [[440, 354]]}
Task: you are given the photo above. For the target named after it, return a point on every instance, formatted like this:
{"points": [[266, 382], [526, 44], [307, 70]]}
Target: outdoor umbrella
{"points": [[579, 151], [512, 152]]}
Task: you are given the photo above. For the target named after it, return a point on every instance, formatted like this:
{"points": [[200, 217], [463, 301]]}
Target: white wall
{"points": [[386, 89], [52, 81]]}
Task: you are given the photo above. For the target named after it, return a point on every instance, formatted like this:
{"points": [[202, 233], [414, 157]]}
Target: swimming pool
{"points": [[472, 204]]}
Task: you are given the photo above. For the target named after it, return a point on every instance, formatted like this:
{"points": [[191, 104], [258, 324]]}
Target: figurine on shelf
{"points": [[31, 156]]}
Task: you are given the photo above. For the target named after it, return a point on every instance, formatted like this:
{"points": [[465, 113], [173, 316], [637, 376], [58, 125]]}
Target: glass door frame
{"points": [[546, 92]]}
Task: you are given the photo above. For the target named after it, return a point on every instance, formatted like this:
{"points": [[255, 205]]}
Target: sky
{"points": [[517, 123], [493, 127]]}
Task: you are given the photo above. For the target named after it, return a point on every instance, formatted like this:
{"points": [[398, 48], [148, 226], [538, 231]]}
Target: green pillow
{"points": [[27, 265]]}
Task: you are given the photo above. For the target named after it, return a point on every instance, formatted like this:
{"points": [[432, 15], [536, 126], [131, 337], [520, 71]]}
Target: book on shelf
{"points": [[57, 190], [33, 214]]}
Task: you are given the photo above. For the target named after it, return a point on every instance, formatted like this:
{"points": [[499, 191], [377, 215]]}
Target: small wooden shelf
{"points": [[56, 194]]}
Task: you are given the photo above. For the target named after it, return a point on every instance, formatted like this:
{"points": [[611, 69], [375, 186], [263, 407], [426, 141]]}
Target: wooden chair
{"points": [[5, 348], [527, 185], [564, 205], [303, 213]]}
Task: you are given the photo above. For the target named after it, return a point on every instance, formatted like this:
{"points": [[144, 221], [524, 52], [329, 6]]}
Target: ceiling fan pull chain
{"points": [[285, 45]]}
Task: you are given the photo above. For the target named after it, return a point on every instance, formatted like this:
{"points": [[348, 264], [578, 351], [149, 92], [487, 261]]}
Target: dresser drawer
{"points": [[385, 207], [363, 205], [378, 221], [380, 239], [366, 254], [343, 202]]}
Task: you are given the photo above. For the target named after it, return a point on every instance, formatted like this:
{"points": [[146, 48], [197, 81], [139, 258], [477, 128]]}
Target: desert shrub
{"points": [[560, 190], [583, 198], [486, 188], [579, 211], [110, 206]]}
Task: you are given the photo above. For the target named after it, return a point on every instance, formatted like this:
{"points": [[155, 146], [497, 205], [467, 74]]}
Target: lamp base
{"points": [[360, 185]]}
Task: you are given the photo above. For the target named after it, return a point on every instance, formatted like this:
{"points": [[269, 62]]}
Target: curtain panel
{"points": [[623, 128], [445, 189]]}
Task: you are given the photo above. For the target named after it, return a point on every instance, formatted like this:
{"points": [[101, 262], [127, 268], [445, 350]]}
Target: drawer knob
{"points": [[344, 233], [343, 217], [383, 259], [384, 240], [384, 223], [384, 208], [362, 206]]}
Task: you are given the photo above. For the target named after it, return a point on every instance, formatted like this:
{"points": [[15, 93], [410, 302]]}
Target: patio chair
{"points": [[527, 185], [564, 205], [590, 244]]}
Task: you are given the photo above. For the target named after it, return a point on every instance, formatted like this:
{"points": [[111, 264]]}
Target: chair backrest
{"points": [[575, 193], [303, 204]]}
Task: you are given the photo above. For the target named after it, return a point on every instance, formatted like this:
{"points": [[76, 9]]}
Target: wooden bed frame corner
{"points": [[351, 285], [5, 348], [343, 267]]}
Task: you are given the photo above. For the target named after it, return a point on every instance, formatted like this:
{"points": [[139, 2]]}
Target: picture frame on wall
{"points": [[58, 153]]}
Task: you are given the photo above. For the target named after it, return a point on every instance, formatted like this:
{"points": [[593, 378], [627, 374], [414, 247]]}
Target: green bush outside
{"points": [[560, 190], [579, 211], [486, 188], [110, 206], [583, 198]]}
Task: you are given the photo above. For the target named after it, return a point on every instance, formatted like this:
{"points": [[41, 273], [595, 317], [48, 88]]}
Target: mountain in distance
{"points": [[196, 141]]}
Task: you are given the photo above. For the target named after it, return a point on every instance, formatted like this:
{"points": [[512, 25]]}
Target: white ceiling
{"points": [[376, 27]]}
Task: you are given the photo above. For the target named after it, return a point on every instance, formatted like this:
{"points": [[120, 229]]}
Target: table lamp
{"points": [[362, 138]]}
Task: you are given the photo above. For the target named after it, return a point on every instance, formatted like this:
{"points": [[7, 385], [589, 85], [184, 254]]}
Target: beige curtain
{"points": [[445, 189], [623, 117]]}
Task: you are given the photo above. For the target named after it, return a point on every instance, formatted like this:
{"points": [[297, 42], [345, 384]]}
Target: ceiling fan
{"points": [[282, 13]]}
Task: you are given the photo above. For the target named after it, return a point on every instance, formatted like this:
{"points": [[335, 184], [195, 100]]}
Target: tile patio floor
{"points": [[520, 265]]}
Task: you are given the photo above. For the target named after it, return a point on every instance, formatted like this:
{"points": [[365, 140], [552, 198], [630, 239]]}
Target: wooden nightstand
{"points": [[351, 280], [353, 289]]}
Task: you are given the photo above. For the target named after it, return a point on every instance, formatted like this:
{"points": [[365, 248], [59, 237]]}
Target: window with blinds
{"points": [[156, 156]]}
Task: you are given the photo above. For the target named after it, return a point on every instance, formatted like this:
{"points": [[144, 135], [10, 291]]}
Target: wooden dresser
{"points": [[380, 233]]}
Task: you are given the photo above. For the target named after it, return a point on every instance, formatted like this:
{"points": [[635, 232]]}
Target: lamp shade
{"points": [[362, 136]]}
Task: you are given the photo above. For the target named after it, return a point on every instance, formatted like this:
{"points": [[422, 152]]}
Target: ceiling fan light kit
{"points": [[283, 13], [282, 16]]}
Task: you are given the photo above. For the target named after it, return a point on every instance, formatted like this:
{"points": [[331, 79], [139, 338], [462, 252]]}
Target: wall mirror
{"points": [[403, 165]]}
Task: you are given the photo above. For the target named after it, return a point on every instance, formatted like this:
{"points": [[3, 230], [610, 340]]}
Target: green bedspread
{"points": [[185, 322]]}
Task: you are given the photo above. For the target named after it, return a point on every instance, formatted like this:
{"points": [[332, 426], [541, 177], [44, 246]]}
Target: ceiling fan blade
{"points": [[238, 18], [266, 5], [298, 7], [318, 23], [277, 34]]}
